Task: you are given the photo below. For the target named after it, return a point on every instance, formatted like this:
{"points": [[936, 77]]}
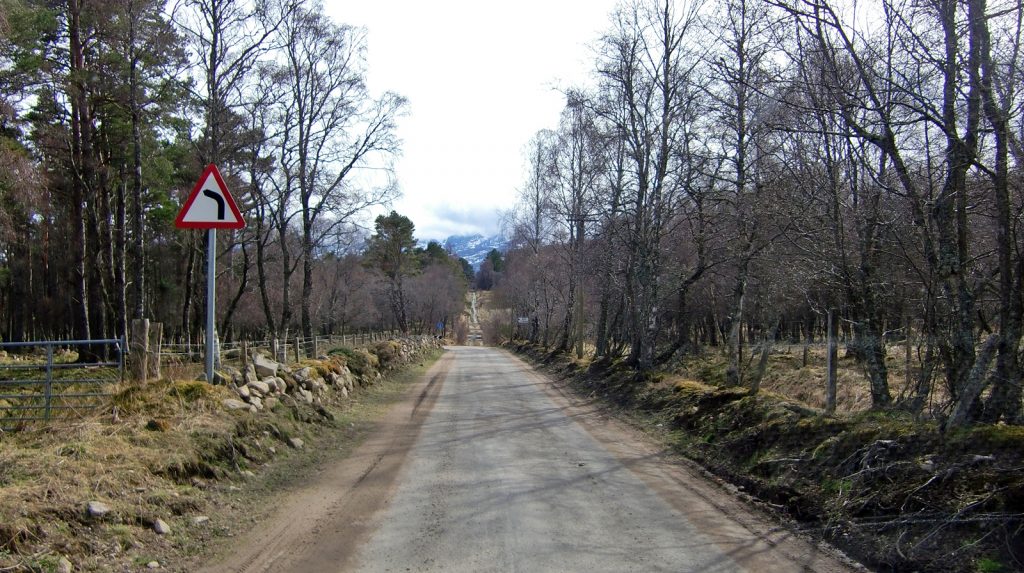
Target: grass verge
{"points": [[170, 452]]}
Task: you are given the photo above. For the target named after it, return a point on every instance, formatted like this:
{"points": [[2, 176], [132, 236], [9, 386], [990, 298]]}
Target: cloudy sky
{"points": [[481, 78]]}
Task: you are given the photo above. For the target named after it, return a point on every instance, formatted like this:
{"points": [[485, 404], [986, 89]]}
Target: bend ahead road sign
{"points": [[210, 206]]}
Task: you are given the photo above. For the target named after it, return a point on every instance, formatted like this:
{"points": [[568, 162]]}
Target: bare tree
{"points": [[334, 128], [577, 165], [645, 65]]}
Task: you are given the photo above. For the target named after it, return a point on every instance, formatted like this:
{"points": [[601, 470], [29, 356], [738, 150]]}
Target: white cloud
{"points": [[481, 79]]}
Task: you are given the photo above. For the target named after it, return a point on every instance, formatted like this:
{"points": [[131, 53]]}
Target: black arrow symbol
{"points": [[220, 202]]}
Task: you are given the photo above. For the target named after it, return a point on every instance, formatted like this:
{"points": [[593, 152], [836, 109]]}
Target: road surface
{"points": [[487, 467]]}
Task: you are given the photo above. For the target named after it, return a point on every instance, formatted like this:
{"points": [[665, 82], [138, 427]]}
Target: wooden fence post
{"points": [[830, 366], [139, 350], [908, 355], [156, 340], [298, 349]]}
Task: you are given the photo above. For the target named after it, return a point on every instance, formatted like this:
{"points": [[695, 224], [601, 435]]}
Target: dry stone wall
{"points": [[265, 382]]}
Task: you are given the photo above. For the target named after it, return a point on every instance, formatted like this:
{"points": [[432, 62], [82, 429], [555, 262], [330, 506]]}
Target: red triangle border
{"points": [[238, 223]]}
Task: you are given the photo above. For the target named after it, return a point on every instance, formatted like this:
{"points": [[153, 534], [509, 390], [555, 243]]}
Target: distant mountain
{"points": [[474, 248]]}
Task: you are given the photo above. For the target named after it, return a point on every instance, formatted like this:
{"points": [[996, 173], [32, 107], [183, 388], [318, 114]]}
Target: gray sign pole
{"points": [[211, 291]]}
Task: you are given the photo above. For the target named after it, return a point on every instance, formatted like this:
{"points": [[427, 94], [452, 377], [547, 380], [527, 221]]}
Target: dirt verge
{"points": [[319, 525]]}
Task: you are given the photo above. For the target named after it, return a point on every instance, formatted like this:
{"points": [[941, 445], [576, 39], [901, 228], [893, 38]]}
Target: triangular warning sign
{"points": [[209, 206]]}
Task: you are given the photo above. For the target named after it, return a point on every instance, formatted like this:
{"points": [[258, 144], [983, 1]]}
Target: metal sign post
{"points": [[211, 207], [211, 300]]}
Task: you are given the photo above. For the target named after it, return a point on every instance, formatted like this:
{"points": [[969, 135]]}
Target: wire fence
{"points": [[284, 349]]}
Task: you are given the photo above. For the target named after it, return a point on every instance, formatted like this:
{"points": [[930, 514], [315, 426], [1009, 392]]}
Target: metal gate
{"points": [[45, 380]]}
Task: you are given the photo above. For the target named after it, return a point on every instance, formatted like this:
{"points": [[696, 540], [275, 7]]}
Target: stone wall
{"points": [[265, 382]]}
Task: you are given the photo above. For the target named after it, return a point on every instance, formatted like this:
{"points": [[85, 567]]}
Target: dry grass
{"points": [[166, 450], [48, 476]]}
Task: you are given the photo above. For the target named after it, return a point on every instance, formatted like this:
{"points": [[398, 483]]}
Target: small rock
{"points": [[97, 509], [272, 449], [232, 404], [264, 366], [269, 402], [64, 566], [248, 474], [258, 387], [160, 526], [927, 465], [296, 443], [244, 392], [200, 520], [256, 402], [153, 565]]}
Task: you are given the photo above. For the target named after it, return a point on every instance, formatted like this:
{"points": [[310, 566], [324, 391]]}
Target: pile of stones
{"points": [[265, 381]]}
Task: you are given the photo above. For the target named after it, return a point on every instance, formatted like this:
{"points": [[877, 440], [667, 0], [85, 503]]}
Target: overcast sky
{"points": [[481, 78]]}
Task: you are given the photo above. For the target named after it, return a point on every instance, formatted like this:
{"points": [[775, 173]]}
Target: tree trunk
{"points": [[734, 375], [974, 385], [138, 211], [186, 305], [307, 284], [80, 152], [1005, 399], [243, 284]]}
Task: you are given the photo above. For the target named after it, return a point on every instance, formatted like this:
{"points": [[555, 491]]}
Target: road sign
{"points": [[209, 206], [523, 320]]}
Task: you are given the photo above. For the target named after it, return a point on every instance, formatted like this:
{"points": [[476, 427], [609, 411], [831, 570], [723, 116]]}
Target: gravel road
{"points": [[490, 468]]}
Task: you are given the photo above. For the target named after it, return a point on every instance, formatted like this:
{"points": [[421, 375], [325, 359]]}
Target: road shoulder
{"points": [[319, 526], [742, 529]]}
